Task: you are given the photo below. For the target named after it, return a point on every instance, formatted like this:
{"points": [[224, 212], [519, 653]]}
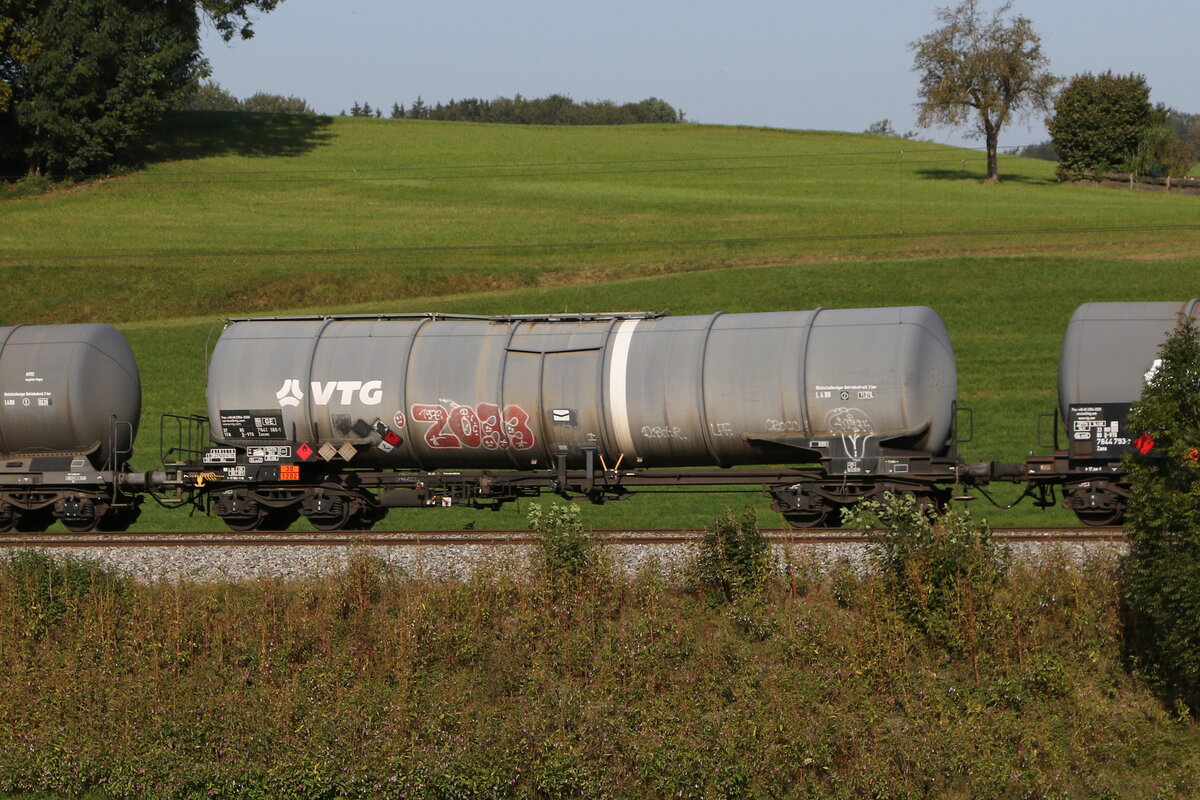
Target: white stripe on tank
{"points": [[618, 402]]}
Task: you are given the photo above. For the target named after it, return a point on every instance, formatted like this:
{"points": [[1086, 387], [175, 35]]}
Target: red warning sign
{"points": [[304, 452], [1144, 443]]}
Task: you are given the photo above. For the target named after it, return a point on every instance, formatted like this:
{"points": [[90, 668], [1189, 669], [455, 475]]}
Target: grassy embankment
{"points": [[371, 684], [275, 215]]}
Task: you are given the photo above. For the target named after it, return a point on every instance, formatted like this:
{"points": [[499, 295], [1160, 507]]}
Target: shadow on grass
{"points": [[189, 135], [979, 175]]}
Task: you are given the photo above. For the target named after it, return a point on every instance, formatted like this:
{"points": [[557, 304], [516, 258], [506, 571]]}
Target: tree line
{"points": [[209, 96], [555, 109]]}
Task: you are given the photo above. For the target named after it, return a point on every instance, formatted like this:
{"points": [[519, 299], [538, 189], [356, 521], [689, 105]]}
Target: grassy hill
{"points": [[241, 213], [370, 683]]}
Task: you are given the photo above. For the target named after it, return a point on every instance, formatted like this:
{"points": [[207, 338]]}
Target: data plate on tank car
{"points": [[263, 424], [1098, 430]]}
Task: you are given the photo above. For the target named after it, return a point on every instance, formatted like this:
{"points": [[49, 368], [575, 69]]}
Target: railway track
{"points": [[814, 536]]}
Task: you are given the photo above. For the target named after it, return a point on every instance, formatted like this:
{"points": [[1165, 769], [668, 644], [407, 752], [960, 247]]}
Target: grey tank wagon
{"points": [[70, 402], [371, 412]]}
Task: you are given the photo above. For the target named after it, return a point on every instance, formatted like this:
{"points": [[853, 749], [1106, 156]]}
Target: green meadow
{"points": [[240, 214]]}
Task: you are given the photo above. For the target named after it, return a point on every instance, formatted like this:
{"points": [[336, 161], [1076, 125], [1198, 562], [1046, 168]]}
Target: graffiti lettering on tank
{"points": [[854, 426], [516, 428], [663, 432], [454, 426]]}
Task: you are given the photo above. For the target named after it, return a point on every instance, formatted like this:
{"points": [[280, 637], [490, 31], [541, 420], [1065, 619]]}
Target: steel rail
{"points": [[494, 538]]}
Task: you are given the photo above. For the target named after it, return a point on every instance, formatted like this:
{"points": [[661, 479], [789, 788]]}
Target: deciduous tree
{"points": [[1162, 578], [1178, 158], [83, 80], [210, 96], [981, 73], [1099, 122]]}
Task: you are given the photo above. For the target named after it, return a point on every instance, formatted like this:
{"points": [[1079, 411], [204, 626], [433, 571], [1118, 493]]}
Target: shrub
{"points": [[1161, 580], [566, 548], [940, 569], [735, 558], [1098, 122], [30, 185]]}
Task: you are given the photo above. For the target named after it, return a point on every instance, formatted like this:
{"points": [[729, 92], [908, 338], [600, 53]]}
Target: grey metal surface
{"points": [[61, 386], [724, 389], [1110, 349]]}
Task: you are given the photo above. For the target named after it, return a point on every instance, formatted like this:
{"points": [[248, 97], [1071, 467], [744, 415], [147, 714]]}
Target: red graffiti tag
{"points": [[453, 427]]}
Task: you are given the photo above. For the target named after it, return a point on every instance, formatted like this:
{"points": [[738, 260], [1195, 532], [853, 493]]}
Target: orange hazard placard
{"points": [[289, 472]]}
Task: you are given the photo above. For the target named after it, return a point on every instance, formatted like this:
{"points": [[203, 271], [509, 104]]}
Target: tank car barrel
{"points": [[525, 393]]}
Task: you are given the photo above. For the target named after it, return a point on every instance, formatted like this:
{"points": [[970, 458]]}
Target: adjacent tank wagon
{"points": [[71, 401], [1109, 352]]}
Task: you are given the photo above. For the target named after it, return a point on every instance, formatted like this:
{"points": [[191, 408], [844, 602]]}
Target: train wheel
{"points": [[34, 521], [1096, 505], [80, 525], [803, 509], [1097, 517], [366, 518], [239, 512], [8, 518], [328, 511], [243, 515], [79, 515], [806, 519], [246, 520], [934, 500]]}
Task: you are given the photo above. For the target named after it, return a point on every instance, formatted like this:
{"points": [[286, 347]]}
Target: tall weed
{"points": [[734, 560], [940, 569], [46, 589]]}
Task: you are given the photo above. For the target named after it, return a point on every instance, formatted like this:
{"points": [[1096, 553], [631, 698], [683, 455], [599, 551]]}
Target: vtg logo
{"points": [[370, 393]]}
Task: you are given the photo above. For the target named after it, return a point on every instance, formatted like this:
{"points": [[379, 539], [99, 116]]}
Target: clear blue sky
{"points": [[780, 63]]}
